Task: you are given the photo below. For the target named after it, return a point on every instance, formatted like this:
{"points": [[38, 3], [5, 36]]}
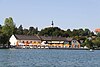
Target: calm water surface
{"points": [[49, 58]]}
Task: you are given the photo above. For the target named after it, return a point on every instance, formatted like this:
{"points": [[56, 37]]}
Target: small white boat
{"points": [[91, 50], [30, 47]]}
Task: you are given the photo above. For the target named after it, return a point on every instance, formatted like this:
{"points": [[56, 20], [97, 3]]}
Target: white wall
{"points": [[12, 40], [43, 43]]}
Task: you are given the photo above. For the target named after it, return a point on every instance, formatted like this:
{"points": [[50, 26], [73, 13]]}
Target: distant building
{"points": [[42, 41], [75, 44], [24, 40], [97, 30], [53, 41]]}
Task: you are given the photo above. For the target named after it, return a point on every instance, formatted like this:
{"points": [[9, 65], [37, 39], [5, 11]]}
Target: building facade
{"points": [[24, 40], [43, 41]]}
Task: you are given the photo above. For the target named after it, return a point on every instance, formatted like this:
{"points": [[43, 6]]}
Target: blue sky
{"points": [[66, 14]]}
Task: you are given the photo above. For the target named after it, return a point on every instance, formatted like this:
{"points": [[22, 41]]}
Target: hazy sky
{"points": [[39, 13]]}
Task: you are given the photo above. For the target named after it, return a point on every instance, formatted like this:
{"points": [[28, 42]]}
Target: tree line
{"points": [[9, 28]]}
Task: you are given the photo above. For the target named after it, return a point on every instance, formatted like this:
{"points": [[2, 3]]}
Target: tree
{"points": [[98, 34], [0, 29], [88, 42], [51, 31], [92, 33], [20, 30], [97, 42], [4, 40], [87, 32], [33, 31], [9, 27], [7, 30], [81, 32], [57, 33], [75, 32], [25, 31], [69, 32], [36, 30]]}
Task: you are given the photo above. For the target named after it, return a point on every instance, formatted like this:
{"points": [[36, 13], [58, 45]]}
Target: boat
{"points": [[91, 50]]}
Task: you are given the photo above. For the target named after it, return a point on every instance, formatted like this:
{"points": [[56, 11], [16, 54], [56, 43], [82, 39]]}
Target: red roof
{"points": [[97, 30]]}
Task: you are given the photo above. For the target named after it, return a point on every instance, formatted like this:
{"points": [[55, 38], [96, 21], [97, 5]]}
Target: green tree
{"points": [[75, 32], [87, 32], [36, 30], [25, 31], [31, 31], [9, 27], [7, 30], [0, 26], [20, 30], [69, 33], [4, 41], [51, 31], [0, 29], [98, 34], [97, 42], [57, 33], [92, 33], [88, 42], [81, 32]]}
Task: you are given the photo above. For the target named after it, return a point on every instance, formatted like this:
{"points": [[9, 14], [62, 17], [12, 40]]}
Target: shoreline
{"points": [[57, 48], [70, 48]]}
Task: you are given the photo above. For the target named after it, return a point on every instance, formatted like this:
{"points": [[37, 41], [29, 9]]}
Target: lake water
{"points": [[49, 58]]}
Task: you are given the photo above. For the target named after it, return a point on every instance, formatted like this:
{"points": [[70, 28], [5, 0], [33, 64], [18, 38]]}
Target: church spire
{"points": [[52, 24]]}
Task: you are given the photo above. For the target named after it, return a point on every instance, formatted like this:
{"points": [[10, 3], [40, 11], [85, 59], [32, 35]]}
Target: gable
{"points": [[12, 39]]}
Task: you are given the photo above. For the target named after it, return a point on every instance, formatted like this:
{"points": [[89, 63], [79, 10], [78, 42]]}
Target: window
{"points": [[34, 41]]}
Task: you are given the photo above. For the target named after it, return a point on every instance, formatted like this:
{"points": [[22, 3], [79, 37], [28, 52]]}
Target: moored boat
{"points": [[91, 50]]}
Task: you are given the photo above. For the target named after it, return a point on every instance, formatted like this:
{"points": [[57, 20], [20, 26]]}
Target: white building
{"points": [[24, 40]]}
